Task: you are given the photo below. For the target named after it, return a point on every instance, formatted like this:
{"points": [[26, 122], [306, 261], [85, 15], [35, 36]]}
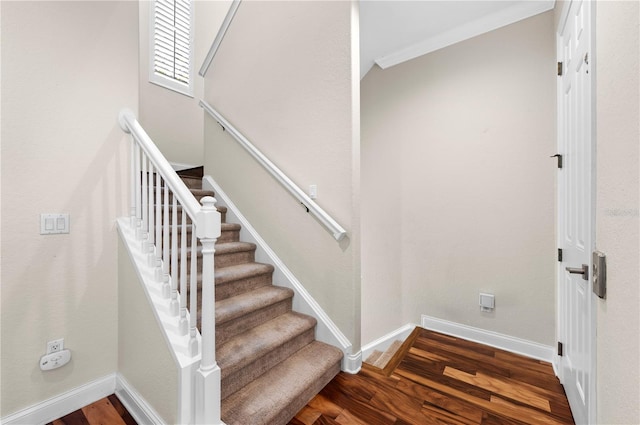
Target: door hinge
{"points": [[559, 68], [560, 349], [559, 159]]}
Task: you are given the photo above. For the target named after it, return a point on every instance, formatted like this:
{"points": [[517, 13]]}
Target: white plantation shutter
{"points": [[172, 47]]}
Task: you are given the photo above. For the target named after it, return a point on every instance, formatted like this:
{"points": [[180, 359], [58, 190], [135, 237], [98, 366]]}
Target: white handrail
{"points": [[129, 124], [219, 37], [325, 219], [206, 227]]}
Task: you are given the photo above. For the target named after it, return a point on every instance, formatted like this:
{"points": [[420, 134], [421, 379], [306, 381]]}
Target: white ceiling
{"points": [[394, 31]]}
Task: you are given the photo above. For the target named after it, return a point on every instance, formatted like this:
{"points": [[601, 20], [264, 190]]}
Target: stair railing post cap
{"points": [[125, 113]]}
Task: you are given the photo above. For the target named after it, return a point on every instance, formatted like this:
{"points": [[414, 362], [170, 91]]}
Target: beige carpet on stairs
{"points": [[270, 362]]}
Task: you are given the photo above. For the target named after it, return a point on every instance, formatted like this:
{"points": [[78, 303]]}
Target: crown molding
{"points": [[469, 30]]}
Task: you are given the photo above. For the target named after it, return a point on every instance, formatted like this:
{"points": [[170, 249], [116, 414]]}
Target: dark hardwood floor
{"points": [[438, 379], [107, 411], [432, 379]]}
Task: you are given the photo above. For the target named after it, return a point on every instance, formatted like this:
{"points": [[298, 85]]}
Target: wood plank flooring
{"points": [[107, 411], [432, 379], [439, 379]]}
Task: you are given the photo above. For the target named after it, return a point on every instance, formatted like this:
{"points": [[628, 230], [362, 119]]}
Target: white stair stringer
{"points": [[177, 343]]}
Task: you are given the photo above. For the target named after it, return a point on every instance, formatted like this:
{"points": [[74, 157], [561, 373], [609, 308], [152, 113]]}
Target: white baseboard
{"points": [[63, 404], [352, 363], [84, 395], [493, 339], [137, 406], [382, 343], [303, 302]]}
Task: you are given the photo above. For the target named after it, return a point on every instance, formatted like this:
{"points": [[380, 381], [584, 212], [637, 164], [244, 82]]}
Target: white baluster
{"points": [[193, 298], [151, 255], [184, 325], [208, 375], [144, 207], [137, 190], [159, 223], [166, 286], [173, 305], [132, 189]]}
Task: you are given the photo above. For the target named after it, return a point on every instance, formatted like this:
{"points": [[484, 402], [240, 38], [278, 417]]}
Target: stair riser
{"points": [[230, 289], [229, 236], [221, 210], [234, 258], [237, 380], [275, 397], [223, 260], [198, 195], [286, 414], [227, 330], [225, 236]]}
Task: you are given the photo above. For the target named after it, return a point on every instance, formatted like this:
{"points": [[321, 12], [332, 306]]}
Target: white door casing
{"points": [[576, 315]]}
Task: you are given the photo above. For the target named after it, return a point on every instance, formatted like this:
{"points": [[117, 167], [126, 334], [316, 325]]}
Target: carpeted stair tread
{"points": [[241, 271], [192, 172], [247, 356], [199, 193], [224, 227], [230, 232], [276, 396], [251, 345], [224, 248], [244, 278], [230, 226], [232, 247], [271, 366], [221, 209], [234, 280], [233, 253], [244, 304], [192, 182]]}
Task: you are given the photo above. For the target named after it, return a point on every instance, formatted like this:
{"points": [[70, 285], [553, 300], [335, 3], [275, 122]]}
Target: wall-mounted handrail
{"points": [[325, 219], [219, 37]]}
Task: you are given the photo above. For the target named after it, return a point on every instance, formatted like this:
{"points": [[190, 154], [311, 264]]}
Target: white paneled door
{"points": [[576, 324]]}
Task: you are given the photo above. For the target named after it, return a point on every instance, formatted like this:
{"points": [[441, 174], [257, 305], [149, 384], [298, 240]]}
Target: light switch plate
{"points": [[52, 224]]}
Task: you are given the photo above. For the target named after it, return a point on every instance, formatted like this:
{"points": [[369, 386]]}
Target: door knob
{"points": [[584, 271]]}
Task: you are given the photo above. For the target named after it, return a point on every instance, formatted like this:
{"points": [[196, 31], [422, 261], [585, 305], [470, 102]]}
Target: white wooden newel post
{"points": [[208, 375]]}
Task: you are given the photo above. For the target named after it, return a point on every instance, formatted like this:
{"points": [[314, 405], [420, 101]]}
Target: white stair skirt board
{"points": [[135, 404], [493, 339], [303, 302], [178, 345], [385, 341], [65, 403]]}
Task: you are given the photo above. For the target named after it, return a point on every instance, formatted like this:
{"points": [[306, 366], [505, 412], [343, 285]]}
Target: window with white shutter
{"points": [[171, 59]]}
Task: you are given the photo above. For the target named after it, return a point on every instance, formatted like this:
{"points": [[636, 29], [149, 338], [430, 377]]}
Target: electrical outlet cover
{"points": [[55, 346]]}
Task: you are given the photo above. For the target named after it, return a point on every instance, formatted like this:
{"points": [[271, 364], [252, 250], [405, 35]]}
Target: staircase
{"points": [[270, 362]]}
